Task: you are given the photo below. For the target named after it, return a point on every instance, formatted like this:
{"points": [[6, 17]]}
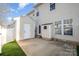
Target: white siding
{"points": [[61, 12]]}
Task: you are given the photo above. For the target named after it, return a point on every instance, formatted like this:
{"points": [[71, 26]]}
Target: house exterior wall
{"points": [[67, 11], [32, 16], [62, 11], [44, 13]]}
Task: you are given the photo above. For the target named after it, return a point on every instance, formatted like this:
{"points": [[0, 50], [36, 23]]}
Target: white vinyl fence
{"points": [[0, 39], [10, 34]]}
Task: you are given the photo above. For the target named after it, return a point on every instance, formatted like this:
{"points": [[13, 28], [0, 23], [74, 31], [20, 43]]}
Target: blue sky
{"points": [[17, 10], [20, 11]]}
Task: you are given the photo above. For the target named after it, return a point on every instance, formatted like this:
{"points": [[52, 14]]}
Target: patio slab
{"points": [[39, 47]]}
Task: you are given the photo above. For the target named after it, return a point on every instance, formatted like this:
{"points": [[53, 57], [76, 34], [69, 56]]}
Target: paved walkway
{"points": [[39, 47]]}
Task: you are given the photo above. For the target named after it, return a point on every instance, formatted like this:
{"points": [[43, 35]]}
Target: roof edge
{"points": [[38, 4]]}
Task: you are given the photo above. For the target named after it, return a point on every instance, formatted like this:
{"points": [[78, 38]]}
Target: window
{"points": [[68, 28], [58, 27], [52, 6], [37, 14]]}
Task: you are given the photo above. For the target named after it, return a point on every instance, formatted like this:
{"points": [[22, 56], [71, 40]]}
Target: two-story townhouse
{"points": [[58, 20]]}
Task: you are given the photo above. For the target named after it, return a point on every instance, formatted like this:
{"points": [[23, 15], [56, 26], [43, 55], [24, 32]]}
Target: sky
{"points": [[16, 9], [19, 9]]}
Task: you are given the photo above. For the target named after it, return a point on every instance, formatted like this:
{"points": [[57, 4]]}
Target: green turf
{"points": [[12, 49]]}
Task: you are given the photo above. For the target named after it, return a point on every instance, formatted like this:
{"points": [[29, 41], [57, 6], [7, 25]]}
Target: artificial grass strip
{"points": [[12, 49]]}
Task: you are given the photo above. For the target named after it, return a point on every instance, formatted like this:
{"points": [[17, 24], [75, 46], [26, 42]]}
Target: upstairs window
{"points": [[52, 6], [37, 14]]}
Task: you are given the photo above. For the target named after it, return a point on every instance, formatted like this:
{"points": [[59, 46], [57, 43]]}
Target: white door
{"points": [[47, 33], [27, 33]]}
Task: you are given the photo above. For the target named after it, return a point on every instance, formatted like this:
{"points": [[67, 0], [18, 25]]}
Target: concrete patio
{"points": [[40, 47]]}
